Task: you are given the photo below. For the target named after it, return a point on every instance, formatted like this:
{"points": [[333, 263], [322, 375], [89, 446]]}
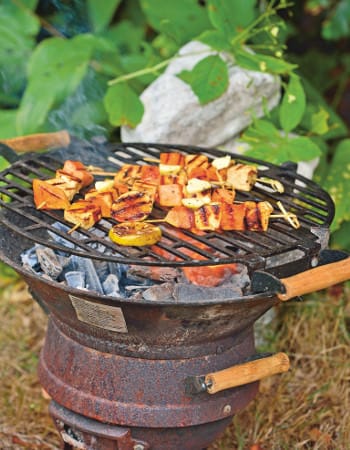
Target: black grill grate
{"points": [[277, 249]]}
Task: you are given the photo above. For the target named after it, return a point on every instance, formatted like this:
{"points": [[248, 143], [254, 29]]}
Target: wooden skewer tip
{"points": [[76, 226]]}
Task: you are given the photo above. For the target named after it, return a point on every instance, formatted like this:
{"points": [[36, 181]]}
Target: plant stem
{"points": [[141, 72]]}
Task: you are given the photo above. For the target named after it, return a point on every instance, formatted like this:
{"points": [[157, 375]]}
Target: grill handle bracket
{"points": [[39, 141], [320, 277], [238, 375]]}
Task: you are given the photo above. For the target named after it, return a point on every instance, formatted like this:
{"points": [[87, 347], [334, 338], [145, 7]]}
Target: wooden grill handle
{"points": [[315, 279], [246, 373], [39, 141]]}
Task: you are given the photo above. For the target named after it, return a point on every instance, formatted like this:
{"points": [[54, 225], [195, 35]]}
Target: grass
{"points": [[306, 408]]}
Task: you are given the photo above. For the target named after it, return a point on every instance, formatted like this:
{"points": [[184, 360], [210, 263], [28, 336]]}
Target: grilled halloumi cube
{"points": [[132, 206], [208, 217], [69, 186], [195, 161], [104, 199], [172, 158], [241, 176], [83, 213], [233, 216], [150, 174], [127, 174], [170, 195], [257, 215], [179, 178], [48, 196], [142, 186]]}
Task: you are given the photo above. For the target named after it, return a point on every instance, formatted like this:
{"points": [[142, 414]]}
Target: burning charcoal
{"points": [[102, 269], [49, 261], [155, 273], [111, 285], [75, 279], [30, 259], [116, 268], [86, 266], [159, 292], [60, 240], [183, 292], [241, 279]]}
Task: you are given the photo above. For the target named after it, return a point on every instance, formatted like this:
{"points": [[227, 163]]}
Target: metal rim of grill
{"points": [[256, 250]]}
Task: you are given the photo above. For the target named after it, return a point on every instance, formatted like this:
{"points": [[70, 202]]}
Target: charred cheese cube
{"points": [[208, 217], [132, 206], [104, 199], [170, 195], [69, 186], [48, 196], [142, 186], [233, 216], [195, 161], [83, 213], [127, 174], [257, 215], [242, 176], [172, 158]]}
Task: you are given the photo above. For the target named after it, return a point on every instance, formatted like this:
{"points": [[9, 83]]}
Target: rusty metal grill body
{"points": [[131, 375]]}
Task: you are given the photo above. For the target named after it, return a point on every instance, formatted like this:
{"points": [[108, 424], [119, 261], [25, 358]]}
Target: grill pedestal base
{"points": [[78, 432], [120, 403]]}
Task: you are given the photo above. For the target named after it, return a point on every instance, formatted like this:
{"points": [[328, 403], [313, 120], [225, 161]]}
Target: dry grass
{"points": [[306, 408]]}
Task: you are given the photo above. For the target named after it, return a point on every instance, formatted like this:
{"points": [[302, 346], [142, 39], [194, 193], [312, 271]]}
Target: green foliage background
{"points": [[81, 66]]}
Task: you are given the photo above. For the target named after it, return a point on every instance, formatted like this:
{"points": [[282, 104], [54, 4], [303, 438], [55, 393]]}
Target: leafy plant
{"points": [[83, 65]]}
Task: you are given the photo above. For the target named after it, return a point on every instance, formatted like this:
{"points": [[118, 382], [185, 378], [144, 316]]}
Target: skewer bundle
{"points": [[196, 194]]}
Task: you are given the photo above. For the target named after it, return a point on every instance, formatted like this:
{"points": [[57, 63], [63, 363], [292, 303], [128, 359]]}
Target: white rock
{"points": [[173, 113]]}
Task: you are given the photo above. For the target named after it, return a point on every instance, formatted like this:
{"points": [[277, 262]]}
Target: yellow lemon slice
{"points": [[135, 234]]}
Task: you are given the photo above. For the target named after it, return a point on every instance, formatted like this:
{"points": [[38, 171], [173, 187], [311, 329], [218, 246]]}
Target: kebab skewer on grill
{"points": [[58, 192], [215, 216]]}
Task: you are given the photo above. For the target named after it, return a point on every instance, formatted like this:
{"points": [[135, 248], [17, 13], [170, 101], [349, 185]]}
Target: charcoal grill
{"points": [[135, 374]]}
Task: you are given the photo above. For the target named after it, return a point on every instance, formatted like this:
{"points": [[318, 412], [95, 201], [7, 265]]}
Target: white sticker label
{"points": [[102, 316]]}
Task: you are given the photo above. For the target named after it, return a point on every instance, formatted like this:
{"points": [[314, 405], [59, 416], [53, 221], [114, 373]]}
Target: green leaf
{"points": [[293, 104], [55, 69], [123, 106], [302, 149], [267, 142], [16, 31], [269, 152], [8, 123], [337, 183], [263, 63], [337, 127], [125, 36], [20, 18], [101, 13], [231, 16], [215, 39], [264, 128], [208, 79], [319, 122], [337, 24], [185, 18], [341, 237]]}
